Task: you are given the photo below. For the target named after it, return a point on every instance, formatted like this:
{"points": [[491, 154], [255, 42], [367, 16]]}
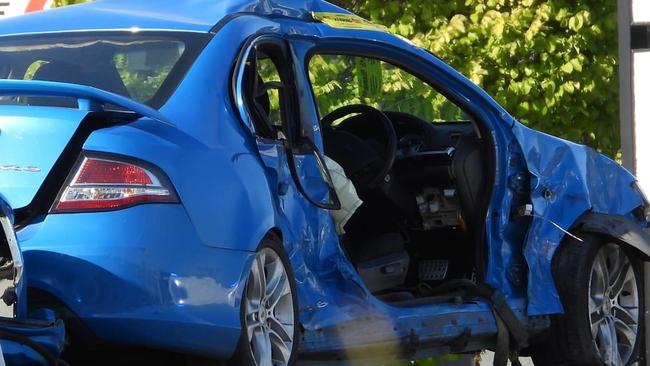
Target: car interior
{"points": [[418, 225], [425, 188]]}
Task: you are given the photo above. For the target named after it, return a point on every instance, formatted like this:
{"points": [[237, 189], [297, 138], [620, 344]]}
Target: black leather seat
{"points": [[105, 77], [102, 76], [61, 72], [470, 174]]}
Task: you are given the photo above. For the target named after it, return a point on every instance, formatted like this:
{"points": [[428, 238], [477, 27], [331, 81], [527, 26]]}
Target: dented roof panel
{"points": [[194, 15]]}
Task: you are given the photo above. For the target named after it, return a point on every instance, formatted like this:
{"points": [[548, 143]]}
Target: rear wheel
{"points": [[601, 289], [269, 311]]}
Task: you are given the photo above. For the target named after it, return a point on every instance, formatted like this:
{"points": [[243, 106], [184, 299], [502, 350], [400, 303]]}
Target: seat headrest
{"points": [[61, 72]]}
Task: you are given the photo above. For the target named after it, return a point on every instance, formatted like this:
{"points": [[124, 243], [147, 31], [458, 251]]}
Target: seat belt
{"points": [[508, 326], [513, 325], [503, 351]]}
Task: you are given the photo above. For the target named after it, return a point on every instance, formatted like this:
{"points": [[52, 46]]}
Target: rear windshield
{"points": [[144, 66]]}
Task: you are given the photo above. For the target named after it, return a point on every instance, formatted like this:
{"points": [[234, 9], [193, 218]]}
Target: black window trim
{"points": [[287, 77]]}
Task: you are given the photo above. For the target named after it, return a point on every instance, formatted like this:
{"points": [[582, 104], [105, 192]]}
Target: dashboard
{"points": [[424, 149]]}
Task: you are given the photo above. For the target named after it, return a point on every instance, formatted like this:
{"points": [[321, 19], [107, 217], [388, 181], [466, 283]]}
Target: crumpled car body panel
{"points": [[130, 275], [567, 180]]}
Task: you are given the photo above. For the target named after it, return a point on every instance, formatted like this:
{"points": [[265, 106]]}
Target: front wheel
{"points": [[600, 284], [269, 311]]}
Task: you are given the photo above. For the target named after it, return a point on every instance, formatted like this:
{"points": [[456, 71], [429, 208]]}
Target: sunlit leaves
{"points": [[67, 2], [552, 63]]}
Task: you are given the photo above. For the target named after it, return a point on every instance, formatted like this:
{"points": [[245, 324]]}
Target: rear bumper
{"points": [[140, 277]]}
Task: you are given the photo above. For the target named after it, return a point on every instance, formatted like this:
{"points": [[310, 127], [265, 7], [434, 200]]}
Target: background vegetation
{"points": [[67, 2], [552, 63]]}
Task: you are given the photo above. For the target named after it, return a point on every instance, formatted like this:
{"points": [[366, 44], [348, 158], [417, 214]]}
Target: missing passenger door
{"points": [[265, 92]]}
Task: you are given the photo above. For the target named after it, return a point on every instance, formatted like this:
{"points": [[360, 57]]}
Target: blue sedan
{"points": [[262, 180]]}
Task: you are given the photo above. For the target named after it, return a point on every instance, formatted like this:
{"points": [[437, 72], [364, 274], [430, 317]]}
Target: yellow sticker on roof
{"points": [[347, 21]]}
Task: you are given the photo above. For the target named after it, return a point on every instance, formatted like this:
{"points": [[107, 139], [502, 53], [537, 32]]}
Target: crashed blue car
{"points": [[265, 180]]}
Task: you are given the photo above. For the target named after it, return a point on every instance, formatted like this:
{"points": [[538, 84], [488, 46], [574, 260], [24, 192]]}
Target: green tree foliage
{"points": [[340, 80], [552, 63], [58, 3]]}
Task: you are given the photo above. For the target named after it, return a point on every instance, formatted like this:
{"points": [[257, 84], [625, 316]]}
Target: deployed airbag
{"points": [[348, 196]]}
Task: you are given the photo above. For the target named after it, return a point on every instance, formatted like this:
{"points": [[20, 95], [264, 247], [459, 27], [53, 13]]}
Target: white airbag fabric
{"points": [[344, 188]]}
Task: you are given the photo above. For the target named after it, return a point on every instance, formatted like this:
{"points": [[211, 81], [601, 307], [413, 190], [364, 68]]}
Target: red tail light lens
{"points": [[101, 184]]}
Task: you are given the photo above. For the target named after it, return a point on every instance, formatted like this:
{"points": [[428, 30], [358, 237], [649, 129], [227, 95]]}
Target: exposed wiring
{"points": [[528, 211], [557, 226]]}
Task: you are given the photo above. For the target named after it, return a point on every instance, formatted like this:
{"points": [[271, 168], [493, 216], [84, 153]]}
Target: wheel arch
{"points": [[275, 236], [82, 336], [619, 228], [274, 233], [569, 340]]}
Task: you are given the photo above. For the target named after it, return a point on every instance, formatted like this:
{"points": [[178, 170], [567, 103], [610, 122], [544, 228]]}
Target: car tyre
{"points": [[601, 289], [270, 326]]}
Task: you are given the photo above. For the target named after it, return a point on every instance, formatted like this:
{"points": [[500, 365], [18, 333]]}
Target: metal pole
{"points": [[626, 20], [625, 84]]}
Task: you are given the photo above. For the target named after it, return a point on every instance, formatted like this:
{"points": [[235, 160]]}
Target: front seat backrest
{"points": [[100, 76], [469, 172], [61, 72]]}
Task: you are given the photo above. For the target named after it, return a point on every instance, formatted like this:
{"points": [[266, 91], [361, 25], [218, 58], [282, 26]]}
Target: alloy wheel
{"points": [[614, 305], [269, 310]]}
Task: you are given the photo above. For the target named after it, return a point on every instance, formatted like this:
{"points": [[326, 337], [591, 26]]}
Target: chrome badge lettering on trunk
{"points": [[15, 168]]}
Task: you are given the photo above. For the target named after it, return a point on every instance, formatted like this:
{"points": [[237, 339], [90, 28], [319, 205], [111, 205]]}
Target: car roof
{"points": [[172, 15]]}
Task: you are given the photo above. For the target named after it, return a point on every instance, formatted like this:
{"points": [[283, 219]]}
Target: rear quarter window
{"points": [[144, 66]]}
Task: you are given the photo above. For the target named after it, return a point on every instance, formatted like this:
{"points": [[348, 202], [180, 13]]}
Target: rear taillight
{"points": [[101, 184]]}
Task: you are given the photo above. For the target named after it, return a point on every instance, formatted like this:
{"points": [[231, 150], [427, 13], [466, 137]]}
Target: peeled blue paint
{"points": [[568, 180]]}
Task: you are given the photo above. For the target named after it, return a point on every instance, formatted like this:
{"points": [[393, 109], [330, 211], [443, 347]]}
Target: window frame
{"points": [[288, 104], [478, 108]]}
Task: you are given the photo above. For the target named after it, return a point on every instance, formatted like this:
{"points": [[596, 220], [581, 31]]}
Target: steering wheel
{"points": [[378, 117]]}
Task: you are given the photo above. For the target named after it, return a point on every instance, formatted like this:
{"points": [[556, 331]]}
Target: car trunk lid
{"points": [[34, 140], [31, 141]]}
